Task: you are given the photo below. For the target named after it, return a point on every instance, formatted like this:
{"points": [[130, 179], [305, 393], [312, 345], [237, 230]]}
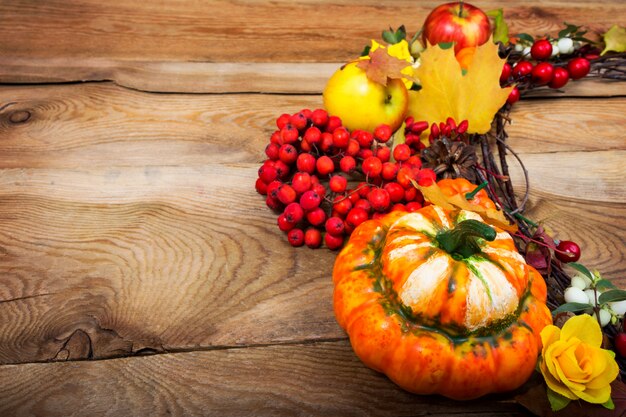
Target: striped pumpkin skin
{"points": [[434, 324]]}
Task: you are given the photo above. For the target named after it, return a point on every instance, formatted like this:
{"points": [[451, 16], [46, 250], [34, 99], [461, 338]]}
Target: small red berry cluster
{"points": [[542, 72], [325, 180], [449, 129]]}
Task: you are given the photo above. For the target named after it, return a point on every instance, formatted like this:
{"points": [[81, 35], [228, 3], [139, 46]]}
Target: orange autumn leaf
{"points": [[446, 92], [382, 66]]}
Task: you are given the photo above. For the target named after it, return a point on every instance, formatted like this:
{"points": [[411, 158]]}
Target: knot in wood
{"points": [[20, 116]]}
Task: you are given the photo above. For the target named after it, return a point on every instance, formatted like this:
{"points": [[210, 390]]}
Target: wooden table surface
{"points": [[140, 272]]}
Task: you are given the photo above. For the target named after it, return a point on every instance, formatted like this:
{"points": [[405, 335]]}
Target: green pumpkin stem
{"points": [[462, 241], [472, 194]]}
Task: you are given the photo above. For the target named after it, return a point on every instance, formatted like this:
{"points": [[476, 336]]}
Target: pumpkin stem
{"points": [[462, 241]]}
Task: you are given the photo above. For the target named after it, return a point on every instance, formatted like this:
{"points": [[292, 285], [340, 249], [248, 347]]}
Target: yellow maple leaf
{"points": [[446, 92], [615, 39]]}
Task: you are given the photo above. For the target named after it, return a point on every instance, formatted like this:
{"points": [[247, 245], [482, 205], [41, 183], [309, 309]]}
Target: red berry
{"points": [[541, 50], [559, 78], [268, 173], [542, 73], [312, 135], [286, 194], [272, 189], [578, 68], [334, 226], [307, 113], [434, 130], [271, 150], [333, 123], [410, 194], [299, 121], [273, 203], [389, 171], [353, 147], [365, 139], [341, 138], [342, 205], [293, 212], [301, 182], [396, 192], [364, 204], [398, 207], [513, 96], [567, 251], [319, 189], [363, 189], [402, 152], [462, 127], [316, 216], [319, 117], [620, 344], [282, 168], [338, 184], [419, 127], [413, 206], [372, 167], [306, 163], [295, 237], [310, 200], [288, 154], [289, 134], [347, 164], [276, 138], [506, 72], [522, 69], [383, 153], [382, 133], [326, 143], [353, 197], [426, 177], [313, 237], [414, 161], [405, 175], [260, 186], [282, 120], [324, 165], [356, 216], [379, 199], [284, 224], [333, 242]]}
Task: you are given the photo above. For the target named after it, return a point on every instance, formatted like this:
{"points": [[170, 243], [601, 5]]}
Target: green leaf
{"points": [[525, 37], [604, 284], [366, 50], [568, 30], [400, 33], [446, 45], [389, 37], [582, 269], [573, 307], [615, 39], [501, 29], [611, 296], [609, 404], [415, 87], [557, 401]]}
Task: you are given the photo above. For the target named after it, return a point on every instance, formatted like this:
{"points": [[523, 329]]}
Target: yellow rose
{"points": [[401, 51], [573, 363]]}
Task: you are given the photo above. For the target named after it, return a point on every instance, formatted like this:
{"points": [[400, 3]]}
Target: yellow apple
{"points": [[363, 104]]}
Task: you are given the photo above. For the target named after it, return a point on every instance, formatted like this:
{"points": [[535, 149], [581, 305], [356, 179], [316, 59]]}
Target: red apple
{"points": [[465, 25]]}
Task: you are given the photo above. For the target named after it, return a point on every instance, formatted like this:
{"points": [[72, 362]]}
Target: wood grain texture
{"points": [[256, 31], [298, 380], [103, 125], [225, 77]]}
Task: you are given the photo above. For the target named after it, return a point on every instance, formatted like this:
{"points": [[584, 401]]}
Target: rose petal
{"points": [[595, 396], [549, 335], [583, 327], [607, 374], [554, 384], [570, 366]]}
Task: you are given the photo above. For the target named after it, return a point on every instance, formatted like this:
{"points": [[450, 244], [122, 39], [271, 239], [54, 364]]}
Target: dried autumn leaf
{"points": [[380, 66], [615, 39], [435, 195], [446, 92]]}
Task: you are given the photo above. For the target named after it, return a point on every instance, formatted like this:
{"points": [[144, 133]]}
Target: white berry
{"points": [[555, 49], [566, 45], [579, 282], [618, 307], [575, 295], [592, 296], [526, 51], [605, 317]]}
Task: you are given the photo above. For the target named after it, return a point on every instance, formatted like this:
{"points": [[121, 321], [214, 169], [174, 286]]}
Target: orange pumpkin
{"points": [[440, 302]]}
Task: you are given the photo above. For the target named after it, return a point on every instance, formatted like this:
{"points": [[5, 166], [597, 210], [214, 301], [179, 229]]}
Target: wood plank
{"points": [[259, 31], [300, 380], [215, 77], [102, 260], [103, 125]]}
